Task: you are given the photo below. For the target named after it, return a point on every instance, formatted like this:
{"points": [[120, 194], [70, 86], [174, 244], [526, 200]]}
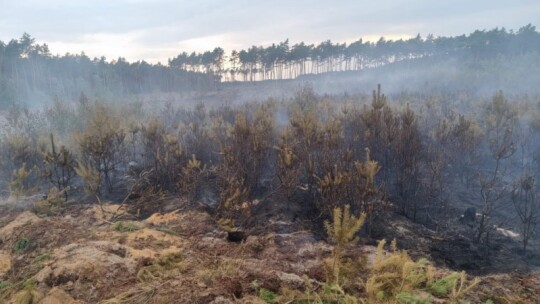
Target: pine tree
{"points": [[342, 232]]}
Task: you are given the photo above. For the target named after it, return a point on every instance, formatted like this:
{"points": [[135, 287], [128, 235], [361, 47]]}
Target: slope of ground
{"points": [[176, 257]]}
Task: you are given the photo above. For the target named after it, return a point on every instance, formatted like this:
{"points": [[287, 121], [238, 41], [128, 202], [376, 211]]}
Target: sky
{"points": [[155, 30]]}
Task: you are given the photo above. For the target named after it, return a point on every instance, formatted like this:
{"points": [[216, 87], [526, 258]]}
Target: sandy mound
{"points": [[103, 212], [150, 244], [157, 237], [58, 296], [188, 223], [5, 263], [164, 219], [89, 270], [23, 219]]}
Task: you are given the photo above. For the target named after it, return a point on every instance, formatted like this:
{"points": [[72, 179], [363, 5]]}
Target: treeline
{"points": [[285, 61], [29, 72]]}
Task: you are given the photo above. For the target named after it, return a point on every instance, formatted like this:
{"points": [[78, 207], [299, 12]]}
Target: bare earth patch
{"points": [[176, 257]]}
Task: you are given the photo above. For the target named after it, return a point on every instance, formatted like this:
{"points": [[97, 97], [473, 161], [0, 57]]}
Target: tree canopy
{"points": [[285, 61], [28, 71]]}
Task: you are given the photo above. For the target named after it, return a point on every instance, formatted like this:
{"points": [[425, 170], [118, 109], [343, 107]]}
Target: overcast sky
{"points": [[155, 30]]}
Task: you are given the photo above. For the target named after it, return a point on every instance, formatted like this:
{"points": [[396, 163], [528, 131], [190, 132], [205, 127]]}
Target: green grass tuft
{"points": [[443, 286], [125, 227], [267, 296], [23, 245]]}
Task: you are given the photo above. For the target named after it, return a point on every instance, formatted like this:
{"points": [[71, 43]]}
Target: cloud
{"points": [[155, 30]]}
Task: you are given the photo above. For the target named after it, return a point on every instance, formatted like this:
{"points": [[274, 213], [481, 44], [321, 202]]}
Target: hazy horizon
{"points": [[157, 30]]}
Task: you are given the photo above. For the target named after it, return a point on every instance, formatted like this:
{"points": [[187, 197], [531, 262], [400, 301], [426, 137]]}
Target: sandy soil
{"points": [[177, 257]]}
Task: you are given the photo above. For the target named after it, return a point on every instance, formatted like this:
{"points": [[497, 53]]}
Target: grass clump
{"points": [[139, 295], [43, 257], [52, 204], [409, 298], [29, 294], [264, 294], [462, 287], [220, 269], [166, 229], [444, 285], [23, 245], [267, 296], [166, 267], [396, 278], [125, 227], [18, 185]]}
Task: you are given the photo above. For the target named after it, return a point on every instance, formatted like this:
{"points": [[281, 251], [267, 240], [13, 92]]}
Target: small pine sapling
{"points": [[19, 181], [342, 232], [59, 167]]}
